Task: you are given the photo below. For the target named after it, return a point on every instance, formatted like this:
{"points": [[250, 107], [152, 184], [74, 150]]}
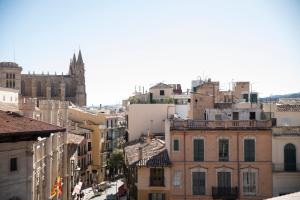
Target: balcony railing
{"points": [[225, 192], [220, 124], [157, 182], [286, 167]]}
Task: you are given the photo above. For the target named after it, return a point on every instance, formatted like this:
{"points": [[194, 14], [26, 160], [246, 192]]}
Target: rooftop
{"points": [[154, 154], [286, 131], [160, 86], [292, 196], [15, 127], [178, 124], [288, 108], [9, 64]]}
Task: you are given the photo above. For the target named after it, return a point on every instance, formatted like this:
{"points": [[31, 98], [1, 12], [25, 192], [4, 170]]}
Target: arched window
{"points": [[23, 91], [53, 90], [39, 89], [289, 157]]}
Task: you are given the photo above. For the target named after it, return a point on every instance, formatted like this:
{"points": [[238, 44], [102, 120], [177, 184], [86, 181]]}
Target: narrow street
{"points": [[112, 189]]}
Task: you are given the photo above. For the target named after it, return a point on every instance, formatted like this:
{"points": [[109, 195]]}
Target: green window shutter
{"points": [[249, 150], [176, 145], [224, 179], [290, 157], [198, 179], [198, 150]]}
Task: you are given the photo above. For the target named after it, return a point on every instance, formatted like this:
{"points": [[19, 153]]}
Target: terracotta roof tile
{"points": [[153, 154], [15, 127]]}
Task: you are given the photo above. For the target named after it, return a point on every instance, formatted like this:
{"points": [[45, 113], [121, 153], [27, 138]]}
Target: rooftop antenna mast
{"points": [[14, 52]]}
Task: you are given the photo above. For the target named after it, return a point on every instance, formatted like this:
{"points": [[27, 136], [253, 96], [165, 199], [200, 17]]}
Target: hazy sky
{"points": [[126, 43]]}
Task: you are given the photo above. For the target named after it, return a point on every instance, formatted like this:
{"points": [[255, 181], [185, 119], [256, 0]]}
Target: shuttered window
{"points": [[290, 157], [249, 150], [198, 150], [156, 196], [198, 179], [157, 177], [176, 145], [224, 179]]}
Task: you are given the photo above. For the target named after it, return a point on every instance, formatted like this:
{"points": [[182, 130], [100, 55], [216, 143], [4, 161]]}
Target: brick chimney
{"points": [[140, 153]]}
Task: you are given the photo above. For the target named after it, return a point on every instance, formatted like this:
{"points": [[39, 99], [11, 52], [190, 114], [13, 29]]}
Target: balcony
{"points": [[220, 124], [154, 182], [225, 193], [287, 167]]}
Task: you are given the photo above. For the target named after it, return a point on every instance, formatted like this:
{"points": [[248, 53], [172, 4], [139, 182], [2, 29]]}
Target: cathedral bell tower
{"points": [[77, 73]]}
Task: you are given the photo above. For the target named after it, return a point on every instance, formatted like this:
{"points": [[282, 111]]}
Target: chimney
{"points": [[140, 153], [148, 137]]}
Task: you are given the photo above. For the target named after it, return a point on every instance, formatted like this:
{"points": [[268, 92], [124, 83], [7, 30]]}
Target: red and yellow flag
{"points": [[57, 188]]}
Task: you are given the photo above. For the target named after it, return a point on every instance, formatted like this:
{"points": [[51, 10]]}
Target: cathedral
{"points": [[70, 87]]}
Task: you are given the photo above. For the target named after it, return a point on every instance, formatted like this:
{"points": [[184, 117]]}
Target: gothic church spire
{"points": [[79, 59]]}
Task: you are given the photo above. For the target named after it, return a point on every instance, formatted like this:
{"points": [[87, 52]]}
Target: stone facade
{"points": [[70, 87]]}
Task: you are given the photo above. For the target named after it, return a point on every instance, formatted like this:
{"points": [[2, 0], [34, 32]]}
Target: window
{"points": [[235, 115], [224, 179], [249, 183], [157, 177], [157, 196], [245, 96], [252, 116], [223, 150], [290, 157], [218, 117], [78, 150], [198, 150], [249, 150], [89, 146], [39, 89], [161, 92], [198, 183], [10, 80], [253, 97], [13, 164], [176, 145], [177, 178]]}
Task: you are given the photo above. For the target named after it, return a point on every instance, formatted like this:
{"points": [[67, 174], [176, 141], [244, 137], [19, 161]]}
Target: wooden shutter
{"points": [[202, 183], [198, 150], [290, 157], [150, 196], [198, 179], [176, 145], [249, 150], [224, 179]]}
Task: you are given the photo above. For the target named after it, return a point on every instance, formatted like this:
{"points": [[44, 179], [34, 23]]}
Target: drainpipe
{"points": [[238, 163]]}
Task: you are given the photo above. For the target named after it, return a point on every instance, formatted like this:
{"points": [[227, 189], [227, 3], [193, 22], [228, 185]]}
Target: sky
{"points": [[126, 44]]}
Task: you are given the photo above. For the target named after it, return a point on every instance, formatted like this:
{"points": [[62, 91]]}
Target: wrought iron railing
{"points": [[225, 192], [215, 124]]}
